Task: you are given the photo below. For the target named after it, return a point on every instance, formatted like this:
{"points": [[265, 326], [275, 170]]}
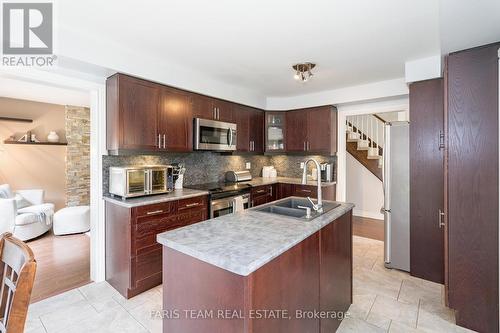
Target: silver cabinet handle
{"points": [[270, 191], [154, 212], [304, 145], [441, 140], [218, 114], [193, 204], [440, 218], [159, 140], [164, 142], [214, 112]]}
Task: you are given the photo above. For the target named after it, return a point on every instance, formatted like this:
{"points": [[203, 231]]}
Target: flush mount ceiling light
{"points": [[303, 71]]}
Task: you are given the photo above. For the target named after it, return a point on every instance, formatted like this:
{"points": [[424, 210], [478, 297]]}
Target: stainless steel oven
{"points": [[214, 135], [229, 205]]}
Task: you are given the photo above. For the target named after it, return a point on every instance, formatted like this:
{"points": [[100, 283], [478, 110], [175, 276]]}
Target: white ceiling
{"points": [[254, 43]]}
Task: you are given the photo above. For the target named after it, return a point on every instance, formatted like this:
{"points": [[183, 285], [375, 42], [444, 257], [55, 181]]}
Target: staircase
{"points": [[365, 137]]}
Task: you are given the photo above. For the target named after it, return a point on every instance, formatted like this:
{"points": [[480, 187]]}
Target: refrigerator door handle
{"points": [[387, 236]]}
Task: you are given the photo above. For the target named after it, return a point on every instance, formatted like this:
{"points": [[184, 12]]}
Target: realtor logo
{"points": [[27, 28]]}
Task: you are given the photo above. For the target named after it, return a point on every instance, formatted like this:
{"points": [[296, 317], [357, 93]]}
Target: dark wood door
{"points": [[241, 116], [138, 108], [256, 130], [472, 150], [175, 120], [319, 129], [202, 107], [224, 110], [426, 197], [284, 190], [296, 129]]}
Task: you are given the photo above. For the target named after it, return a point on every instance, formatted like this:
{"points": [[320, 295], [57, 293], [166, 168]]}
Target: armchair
{"points": [[24, 213]]}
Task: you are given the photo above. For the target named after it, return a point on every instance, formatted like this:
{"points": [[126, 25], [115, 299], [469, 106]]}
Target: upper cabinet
{"points": [[312, 130], [132, 113], [210, 108], [275, 132], [175, 120], [144, 116], [249, 122]]}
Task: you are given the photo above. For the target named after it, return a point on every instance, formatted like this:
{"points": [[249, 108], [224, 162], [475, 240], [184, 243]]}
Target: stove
{"points": [[222, 190], [225, 198]]}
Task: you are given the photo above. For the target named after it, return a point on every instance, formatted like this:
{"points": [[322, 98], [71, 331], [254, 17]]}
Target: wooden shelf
{"points": [[20, 120], [7, 142]]}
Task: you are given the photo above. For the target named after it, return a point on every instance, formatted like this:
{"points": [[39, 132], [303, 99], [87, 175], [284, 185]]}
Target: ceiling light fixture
{"points": [[303, 71]]}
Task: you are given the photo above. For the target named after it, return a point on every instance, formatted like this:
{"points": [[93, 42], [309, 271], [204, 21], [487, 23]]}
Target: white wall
{"points": [[363, 189]]}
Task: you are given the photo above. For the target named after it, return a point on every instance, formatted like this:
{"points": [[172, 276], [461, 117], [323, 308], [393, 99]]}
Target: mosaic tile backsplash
{"points": [[205, 167]]}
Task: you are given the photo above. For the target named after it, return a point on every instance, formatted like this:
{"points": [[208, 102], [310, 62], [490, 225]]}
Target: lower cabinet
{"points": [[263, 194], [133, 257]]}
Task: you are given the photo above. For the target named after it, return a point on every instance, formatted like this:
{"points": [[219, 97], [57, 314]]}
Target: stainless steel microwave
{"points": [[129, 182], [214, 135]]}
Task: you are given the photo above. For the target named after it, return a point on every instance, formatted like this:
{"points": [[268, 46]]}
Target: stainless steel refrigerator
{"points": [[396, 181]]}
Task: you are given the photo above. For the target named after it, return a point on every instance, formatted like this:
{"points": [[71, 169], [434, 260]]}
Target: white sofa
{"points": [[24, 213]]}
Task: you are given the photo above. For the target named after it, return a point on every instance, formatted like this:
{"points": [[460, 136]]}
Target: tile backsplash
{"points": [[205, 167]]}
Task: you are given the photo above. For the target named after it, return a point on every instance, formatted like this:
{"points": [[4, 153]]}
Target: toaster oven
{"points": [[128, 182]]}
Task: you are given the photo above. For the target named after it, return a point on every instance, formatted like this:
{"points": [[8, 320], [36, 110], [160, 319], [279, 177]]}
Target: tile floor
{"points": [[384, 301]]}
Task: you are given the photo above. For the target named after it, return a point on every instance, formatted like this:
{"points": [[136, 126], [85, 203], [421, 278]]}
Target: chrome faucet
{"points": [[319, 206]]}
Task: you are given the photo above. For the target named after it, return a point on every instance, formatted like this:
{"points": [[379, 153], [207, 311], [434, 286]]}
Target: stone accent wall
{"points": [[78, 156]]}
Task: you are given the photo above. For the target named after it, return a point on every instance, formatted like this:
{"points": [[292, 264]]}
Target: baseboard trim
{"points": [[368, 214]]}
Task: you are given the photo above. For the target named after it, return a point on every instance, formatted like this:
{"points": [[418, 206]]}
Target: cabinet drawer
{"points": [[262, 190], [146, 265], [146, 229], [191, 217], [305, 191], [156, 209], [195, 203]]}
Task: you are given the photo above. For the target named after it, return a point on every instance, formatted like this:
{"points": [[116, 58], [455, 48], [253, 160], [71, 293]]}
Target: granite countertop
{"points": [[154, 199], [243, 242], [258, 181]]}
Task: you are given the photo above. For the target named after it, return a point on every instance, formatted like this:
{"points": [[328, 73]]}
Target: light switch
{"points": [[302, 165], [248, 165]]}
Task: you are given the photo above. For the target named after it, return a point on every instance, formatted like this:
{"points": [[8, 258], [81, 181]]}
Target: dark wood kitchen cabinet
{"points": [[312, 130], [263, 194], [249, 123], [327, 192], [133, 257], [471, 170], [426, 197], [131, 113], [175, 120], [211, 108], [145, 116]]}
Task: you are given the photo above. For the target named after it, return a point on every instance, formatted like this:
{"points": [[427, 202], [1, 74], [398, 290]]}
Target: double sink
{"points": [[290, 207]]}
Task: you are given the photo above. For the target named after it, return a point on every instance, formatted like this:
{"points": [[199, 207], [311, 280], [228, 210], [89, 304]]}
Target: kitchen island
{"points": [[258, 272]]}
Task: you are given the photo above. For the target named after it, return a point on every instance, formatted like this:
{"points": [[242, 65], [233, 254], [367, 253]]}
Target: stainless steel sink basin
{"points": [[300, 213], [296, 202], [289, 207]]}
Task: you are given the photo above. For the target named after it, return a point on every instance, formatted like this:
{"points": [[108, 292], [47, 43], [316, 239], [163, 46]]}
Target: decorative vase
{"points": [[53, 137]]}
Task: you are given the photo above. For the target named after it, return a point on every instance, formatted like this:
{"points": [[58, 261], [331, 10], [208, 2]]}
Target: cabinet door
{"points": [[296, 129], [241, 116], [320, 130], [284, 190], [224, 110], [202, 107], [426, 198], [138, 112], [175, 120], [256, 130], [335, 269]]}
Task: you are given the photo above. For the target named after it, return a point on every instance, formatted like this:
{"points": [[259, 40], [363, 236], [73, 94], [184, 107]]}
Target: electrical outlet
{"points": [[302, 165], [248, 165]]}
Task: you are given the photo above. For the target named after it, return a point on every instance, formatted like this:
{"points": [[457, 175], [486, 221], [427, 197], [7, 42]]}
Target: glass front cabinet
{"points": [[275, 132]]}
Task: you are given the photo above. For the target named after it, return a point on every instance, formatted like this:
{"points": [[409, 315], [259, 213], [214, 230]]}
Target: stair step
{"points": [[352, 137], [363, 145], [373, 153], [374, 157]]}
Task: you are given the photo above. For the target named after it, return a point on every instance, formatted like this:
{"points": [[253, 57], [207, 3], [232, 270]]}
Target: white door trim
{"points": [[97, 92], [395, 105]]}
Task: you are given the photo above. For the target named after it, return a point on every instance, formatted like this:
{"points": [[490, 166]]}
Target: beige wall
{"points": [[33, 166]]}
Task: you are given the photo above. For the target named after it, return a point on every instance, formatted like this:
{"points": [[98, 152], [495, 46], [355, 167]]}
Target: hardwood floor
{"points": [[63, 263], [369, 228]]}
